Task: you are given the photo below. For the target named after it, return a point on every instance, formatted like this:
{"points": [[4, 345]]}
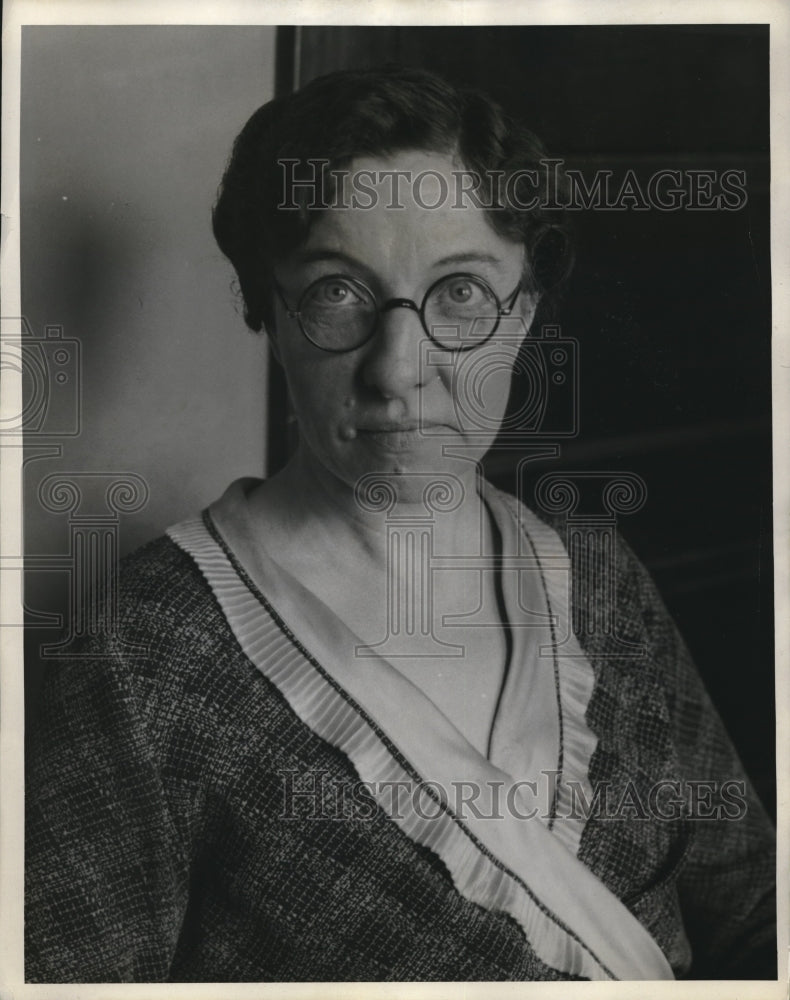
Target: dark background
{"points": [[671, 310]]}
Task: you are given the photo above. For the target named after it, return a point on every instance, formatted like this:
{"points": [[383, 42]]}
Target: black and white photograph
{"points": [[394, 536]]}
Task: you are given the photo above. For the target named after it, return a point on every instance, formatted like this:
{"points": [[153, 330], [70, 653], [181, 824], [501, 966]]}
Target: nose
{"points": [[395, 363]]}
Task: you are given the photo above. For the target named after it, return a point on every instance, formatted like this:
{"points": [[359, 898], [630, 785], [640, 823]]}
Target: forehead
{"points": [[407, 207]]}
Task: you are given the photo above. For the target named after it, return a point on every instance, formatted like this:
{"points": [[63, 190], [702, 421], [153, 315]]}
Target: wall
{"points": [[124, 135]]}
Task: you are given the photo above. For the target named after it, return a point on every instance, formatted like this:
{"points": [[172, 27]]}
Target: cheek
{"points": [[481, 386], [320, 388]]}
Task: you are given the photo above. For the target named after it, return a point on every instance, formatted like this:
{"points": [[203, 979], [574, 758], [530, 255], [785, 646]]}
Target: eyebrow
{"points": [[464, 257], [310, 256], [470, 257]]}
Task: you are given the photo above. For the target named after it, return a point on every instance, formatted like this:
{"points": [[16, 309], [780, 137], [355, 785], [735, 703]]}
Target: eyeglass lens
{"points": [[338, 313]]}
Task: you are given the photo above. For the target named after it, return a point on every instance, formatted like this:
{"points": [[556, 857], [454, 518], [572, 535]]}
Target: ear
{"points": [[529, 306]]}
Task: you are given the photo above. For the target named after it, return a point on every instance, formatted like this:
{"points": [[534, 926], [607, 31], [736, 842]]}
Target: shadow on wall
{"points": [[156, 392]]}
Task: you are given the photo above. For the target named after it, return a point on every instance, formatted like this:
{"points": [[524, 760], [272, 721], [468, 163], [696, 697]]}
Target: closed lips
{"points": [[390, 428]]}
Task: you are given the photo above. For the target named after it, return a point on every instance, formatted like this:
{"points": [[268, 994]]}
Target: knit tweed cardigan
{"points": [[159, 847]]}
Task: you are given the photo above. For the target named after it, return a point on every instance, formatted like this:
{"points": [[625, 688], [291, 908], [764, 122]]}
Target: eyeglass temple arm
{"points": [[510, 301], [292, 313]]}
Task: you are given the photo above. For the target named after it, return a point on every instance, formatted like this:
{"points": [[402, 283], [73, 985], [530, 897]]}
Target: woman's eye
{"points": [[461, 294], [461, 291], [336, 293]]}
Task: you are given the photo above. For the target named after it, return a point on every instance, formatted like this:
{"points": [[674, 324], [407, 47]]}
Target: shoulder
{"points": [[162, 676], [162, 599], [157, 607], [585, 541], [610, 592], [158, 641], [158, 576]]}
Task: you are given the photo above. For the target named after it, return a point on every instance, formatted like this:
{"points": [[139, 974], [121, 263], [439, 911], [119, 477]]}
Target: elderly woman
{"points": [[345, 729]]}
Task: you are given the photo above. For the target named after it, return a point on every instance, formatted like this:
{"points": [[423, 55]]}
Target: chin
{"points": [[433, 479]]}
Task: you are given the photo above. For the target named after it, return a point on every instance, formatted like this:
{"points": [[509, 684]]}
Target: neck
{"points": [[327, 515]]}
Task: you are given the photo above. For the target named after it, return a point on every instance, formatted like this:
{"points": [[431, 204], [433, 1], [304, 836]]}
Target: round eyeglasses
{"points": [[459, 312]]}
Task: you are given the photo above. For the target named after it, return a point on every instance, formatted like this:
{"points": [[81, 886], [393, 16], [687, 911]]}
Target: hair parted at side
{"points": [[376, 112]]}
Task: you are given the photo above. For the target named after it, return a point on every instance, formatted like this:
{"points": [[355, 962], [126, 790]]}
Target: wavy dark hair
{"points": [[377, 112]]}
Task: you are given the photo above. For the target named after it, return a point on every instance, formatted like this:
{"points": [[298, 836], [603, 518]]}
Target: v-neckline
{"points": [[524, 738], [393, 735]]}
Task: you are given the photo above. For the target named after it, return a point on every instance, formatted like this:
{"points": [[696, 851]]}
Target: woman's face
{"points": [[399, 404]]}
